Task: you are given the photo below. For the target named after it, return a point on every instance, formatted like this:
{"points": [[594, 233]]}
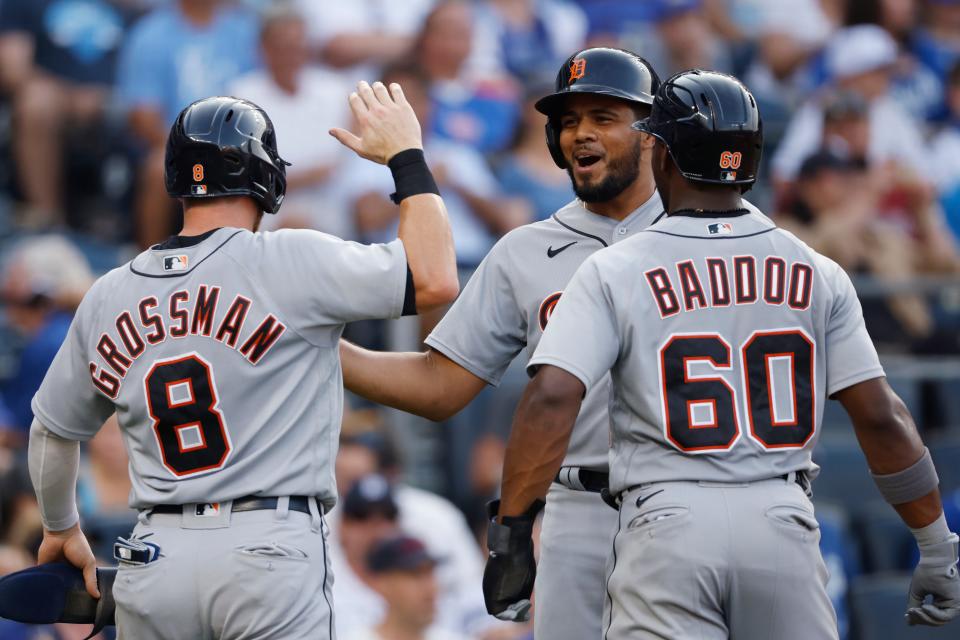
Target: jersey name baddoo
{"points": [[154, 322], [719, 282]]}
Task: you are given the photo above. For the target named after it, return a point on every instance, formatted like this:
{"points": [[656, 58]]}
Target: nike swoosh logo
{"points": [[643, 499], [551, 252]]}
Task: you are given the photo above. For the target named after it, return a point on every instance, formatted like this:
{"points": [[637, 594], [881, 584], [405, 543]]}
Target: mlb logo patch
{"points": [[174, 263], [720, 228], [208, 509], [198, 189], [728, 176]]}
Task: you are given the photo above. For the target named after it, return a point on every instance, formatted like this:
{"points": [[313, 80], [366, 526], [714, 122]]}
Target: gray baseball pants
{"points": [[227, 576], [712, 561], [575, 541]]}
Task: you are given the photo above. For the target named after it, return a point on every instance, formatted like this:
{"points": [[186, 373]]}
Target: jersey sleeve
{"points": [[485, 328], [850, 354], [582, 336], [334, 281], [67, 402]]}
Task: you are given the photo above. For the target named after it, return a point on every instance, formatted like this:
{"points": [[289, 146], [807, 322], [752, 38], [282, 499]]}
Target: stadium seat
{"points": [[844, 476], [841, 556], [879, 603], [946, 455], [887, 543]]}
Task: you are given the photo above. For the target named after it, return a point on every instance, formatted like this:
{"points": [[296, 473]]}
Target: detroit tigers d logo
{"points": [[546, 308]]}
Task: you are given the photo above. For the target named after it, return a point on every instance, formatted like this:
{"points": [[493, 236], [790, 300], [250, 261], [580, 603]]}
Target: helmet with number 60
{"points": [[224, 146], [710, 124]]}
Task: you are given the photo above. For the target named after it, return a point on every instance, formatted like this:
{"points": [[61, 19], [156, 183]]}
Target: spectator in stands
{"points": [[941, 28], [945, 154], [528, 38], [303, 102], [104, 485], [42, 283], [403, 573], [860, 60], [367, 514], [360, 37], [474, 106], [182, 51], [527, 170], [837, 211], [917, 82], [682, 39], [57, 62], [428, 517], [479, 214]]}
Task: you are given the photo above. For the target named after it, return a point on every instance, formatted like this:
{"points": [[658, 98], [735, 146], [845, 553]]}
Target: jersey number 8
{"points": [[182, 401], [700, 411]]}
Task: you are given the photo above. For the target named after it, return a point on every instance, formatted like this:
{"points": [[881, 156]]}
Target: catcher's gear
{"points": [[936, 575], [511, 569], [711, 126], [602, 71], [55, 592], [225, 146]]}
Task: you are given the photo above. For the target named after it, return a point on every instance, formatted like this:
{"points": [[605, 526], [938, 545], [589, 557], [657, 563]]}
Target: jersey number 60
{"points": [[777, 378], [188, 425]]}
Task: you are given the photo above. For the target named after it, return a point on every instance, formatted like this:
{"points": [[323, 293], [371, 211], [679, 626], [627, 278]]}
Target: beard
{"points": [[621, 173]]}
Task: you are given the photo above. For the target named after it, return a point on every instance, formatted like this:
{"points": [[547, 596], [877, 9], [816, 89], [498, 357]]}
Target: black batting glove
{"points": [[511, 569]]}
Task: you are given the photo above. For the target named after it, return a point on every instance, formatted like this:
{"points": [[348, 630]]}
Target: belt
{"points": [[799, 477], [580, 479], [246, 503]]}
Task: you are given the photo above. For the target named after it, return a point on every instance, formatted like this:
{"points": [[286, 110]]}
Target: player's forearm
{"points": [[891, 444], [425, 384], [428, 242], [538, 443], [54, 463]]}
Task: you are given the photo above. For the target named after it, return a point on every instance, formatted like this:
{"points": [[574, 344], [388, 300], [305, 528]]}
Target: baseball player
{"points": [[506, 305], [724, 336], [218, 351]]}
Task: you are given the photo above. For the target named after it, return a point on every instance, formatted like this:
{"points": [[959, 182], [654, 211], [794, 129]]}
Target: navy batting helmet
{"points": [[225, 146], [602, 71], [711, 126]]}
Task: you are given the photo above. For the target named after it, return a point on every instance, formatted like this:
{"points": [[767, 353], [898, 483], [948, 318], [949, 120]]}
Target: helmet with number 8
{"points": [[711, 126], [224, 146]]}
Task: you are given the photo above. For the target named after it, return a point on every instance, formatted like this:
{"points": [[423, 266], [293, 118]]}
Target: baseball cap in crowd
{"points": [[859, 49], [666, 9], [400, 553], [371, 495], [843, 105], [825, 160]]}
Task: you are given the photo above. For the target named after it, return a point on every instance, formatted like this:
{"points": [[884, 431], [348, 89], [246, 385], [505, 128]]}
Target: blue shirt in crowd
{"points": [[33, 363], [74, 39], [169, 62]]}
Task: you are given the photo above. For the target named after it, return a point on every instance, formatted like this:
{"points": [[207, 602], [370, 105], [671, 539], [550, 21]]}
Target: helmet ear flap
{"points": [[553, 144]]}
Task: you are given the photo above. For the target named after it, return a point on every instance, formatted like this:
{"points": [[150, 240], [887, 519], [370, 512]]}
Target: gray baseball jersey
{"points": [[723, 335], [505, 306], [221, 361]]}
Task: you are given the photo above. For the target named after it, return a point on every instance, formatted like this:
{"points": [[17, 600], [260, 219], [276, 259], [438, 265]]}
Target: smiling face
{"points": [[601, 149]]}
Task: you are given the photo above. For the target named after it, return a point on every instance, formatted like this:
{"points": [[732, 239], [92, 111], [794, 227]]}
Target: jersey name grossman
{"points": [[720, 282], [153, 323]]}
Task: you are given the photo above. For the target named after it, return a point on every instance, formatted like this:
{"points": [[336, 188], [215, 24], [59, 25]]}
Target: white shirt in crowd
{"points": [[894, 135], [444, 531], [301, 121]]}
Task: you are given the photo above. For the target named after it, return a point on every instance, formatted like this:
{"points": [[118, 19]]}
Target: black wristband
{"points": [[411, 175]]}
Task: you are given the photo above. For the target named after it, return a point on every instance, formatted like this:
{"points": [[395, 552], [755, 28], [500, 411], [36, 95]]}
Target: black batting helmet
{"points": [[602, 71], [711, 126], [225, 146]]}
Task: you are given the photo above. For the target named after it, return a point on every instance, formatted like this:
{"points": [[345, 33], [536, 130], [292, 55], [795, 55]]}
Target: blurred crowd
{"points": [[861, 108]]}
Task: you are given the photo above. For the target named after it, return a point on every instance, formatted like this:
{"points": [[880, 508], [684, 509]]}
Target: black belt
{"points": [[590, 480], [246, 503], [800, 477]]}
